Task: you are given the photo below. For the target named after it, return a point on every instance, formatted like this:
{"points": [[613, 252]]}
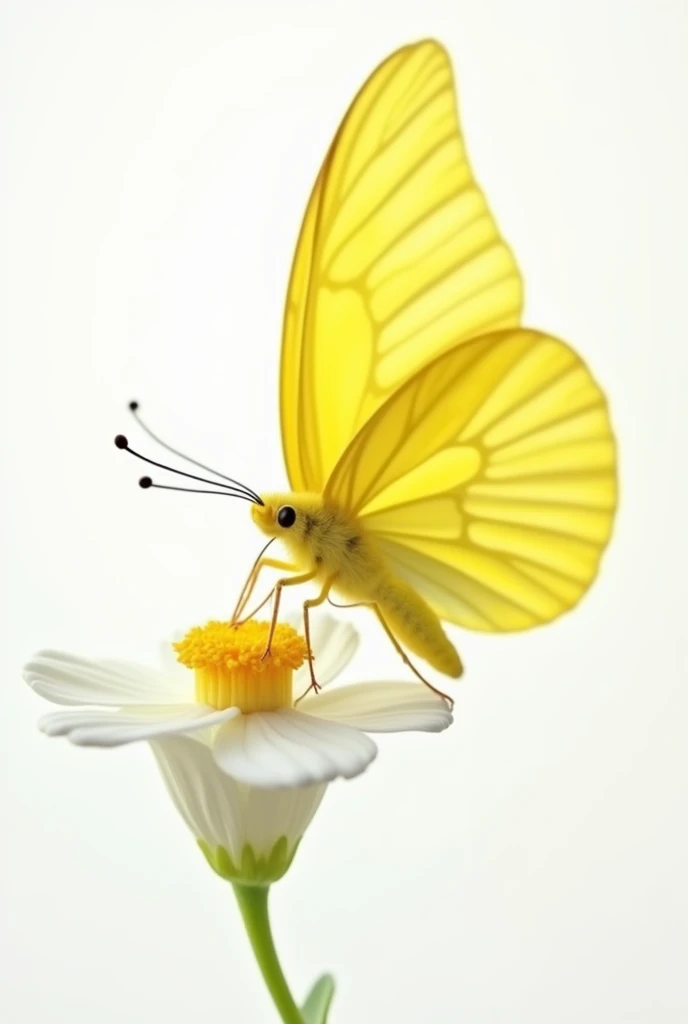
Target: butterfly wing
{"points": [[488, 480], [398, 259]]}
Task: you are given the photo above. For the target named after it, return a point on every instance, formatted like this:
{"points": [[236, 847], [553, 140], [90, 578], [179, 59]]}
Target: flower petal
{"points": [[102, 728], [227, 813], [273, 813], [284, 748], [381, 707], [334, 644], [65, 679], [208, 800]]}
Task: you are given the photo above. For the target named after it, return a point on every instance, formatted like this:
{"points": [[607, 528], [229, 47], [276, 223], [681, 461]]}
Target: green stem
{"points": [[253, 904]]}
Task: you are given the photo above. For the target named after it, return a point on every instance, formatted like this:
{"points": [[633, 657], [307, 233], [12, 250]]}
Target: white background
{"points": [[529, 864]]}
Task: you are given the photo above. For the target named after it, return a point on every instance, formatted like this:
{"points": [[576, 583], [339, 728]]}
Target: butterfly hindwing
{"points": [[488, 480]]}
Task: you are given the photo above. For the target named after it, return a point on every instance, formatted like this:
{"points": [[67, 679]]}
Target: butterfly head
{"points": [[288, 515], [279, 514]]}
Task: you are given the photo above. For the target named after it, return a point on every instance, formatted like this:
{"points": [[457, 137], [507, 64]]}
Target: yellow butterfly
{"points": [[445, 463]]}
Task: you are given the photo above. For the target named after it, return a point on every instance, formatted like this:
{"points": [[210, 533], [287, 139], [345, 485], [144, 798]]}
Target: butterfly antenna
{"points": [[134, 410], [145, 482], [122, 443]]}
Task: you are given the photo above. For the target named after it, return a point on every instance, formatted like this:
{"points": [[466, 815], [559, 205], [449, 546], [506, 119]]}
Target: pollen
{"points": [[232, 670]]}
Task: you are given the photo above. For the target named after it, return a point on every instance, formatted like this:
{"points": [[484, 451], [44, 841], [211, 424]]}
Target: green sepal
{"points": [[317, 1005], [251, 870]]}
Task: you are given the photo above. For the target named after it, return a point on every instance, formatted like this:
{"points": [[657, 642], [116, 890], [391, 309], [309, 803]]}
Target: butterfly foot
{"points": [[315, 686], [449, 701], [446, 698]]}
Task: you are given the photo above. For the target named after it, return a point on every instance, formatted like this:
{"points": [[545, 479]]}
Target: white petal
{"points": [[278, 749], [209, 801], [65, 679], [178, 681], [334, 644], [381, 707], [227, 813], [112, 728], [272, 813]]}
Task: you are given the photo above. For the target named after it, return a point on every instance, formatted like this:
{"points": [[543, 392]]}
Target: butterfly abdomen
{"points": [[416, 625], [362, 576]]}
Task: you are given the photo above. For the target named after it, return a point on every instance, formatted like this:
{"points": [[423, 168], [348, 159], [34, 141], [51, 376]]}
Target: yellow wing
{"points": [[489, 480], [398, 259]]}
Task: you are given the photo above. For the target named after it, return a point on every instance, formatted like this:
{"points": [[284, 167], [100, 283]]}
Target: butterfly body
{"points": [[415, 624], [332, 545]]}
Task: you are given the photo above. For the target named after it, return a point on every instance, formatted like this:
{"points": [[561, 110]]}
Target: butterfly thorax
{"points": [[322, 537]]}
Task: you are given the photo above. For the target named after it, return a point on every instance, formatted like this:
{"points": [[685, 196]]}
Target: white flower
{"points": [[248, 834], [325, 737]]}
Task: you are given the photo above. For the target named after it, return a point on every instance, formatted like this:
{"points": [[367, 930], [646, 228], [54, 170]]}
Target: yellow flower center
{"points": [[230, 669]]}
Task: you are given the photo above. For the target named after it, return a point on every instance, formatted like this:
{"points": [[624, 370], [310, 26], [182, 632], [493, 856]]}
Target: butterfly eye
{"points": [[286, 516]]}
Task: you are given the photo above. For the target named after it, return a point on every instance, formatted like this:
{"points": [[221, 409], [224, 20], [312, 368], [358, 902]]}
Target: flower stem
{"points": [[253, 904]]}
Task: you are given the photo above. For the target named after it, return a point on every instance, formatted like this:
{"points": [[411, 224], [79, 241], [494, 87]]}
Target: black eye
{"points": [[286, 516]]}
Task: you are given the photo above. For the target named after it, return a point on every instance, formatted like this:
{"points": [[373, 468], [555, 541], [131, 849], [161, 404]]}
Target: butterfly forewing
{"points": [[398, 260]]}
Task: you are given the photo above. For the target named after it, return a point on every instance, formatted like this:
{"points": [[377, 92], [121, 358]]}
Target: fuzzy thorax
{"points": [[229, 667], [319, 536]]}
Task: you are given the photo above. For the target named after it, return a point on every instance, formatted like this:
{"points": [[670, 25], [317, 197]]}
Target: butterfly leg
{"points": [[254, 611], [313, 602], [251, 581], [397, 646], [290, 581]]}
